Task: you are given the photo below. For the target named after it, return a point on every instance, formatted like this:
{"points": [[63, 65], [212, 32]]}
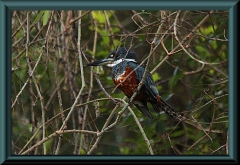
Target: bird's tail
{"points": [[166, 108], [142, 106]]}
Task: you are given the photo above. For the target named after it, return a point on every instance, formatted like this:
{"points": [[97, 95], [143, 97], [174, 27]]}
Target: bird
{"points": [[127, 73]]}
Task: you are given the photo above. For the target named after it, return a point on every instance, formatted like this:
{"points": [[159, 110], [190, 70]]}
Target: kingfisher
{"points": [[127, 73]]}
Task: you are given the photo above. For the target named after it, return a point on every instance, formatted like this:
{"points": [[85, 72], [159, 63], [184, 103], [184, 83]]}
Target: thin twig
{"points": [[54, 117], [142, 131], [227, 144], [104, 127], [139, 87], [79, 17], [109, 26], [218, 148], [98, 81], [34, 80], [90, 89], [57, 133], [197, 142]]}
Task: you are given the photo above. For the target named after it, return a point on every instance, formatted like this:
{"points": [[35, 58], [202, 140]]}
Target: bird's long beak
{"points": [[104, 61]]}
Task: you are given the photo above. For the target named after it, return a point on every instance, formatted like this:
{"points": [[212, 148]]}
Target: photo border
{"points": [[6, 6]]}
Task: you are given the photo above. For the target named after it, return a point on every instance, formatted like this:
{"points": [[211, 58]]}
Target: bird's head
{"points": [[115, 57]]}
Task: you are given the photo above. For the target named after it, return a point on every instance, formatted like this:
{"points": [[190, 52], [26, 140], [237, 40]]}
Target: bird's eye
{"points": [[111, 55]]}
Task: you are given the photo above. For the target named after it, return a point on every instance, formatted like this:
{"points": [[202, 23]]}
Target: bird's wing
{"points": [[149, 82], [149, 88], [142, 106]]}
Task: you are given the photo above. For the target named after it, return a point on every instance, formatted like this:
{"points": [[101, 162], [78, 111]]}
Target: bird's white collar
{"points": [[114, 63]]}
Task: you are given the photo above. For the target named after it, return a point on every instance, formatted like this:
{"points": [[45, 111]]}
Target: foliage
{"points": [[189, 65]]}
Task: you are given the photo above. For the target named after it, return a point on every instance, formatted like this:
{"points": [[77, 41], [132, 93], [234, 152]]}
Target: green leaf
{"points": [[211, 72], [82, 151], [40, 14], [48, 144], [189, 105], [213, 44], [46, 17], [168, 97], [224, 56], [160, 127], [156, 76], [105, 41], [177, 133], [208, 30], [98, 16], [175, 71], [202, 50], [173, 80]]}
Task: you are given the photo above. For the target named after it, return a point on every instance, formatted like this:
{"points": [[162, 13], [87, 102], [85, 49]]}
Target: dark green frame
{"points": [[5, 69]]}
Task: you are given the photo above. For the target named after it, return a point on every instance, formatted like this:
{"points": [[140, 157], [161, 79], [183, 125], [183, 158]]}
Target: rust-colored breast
{"points": [[127, 82]]}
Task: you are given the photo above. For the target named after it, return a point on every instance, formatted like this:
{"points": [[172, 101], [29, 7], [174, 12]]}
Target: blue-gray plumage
{"points": [[127, 74]]}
